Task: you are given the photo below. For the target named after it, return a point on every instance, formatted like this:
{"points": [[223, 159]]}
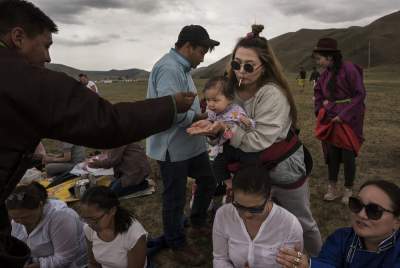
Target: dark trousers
{"points": [[337, 155], [174, 176], [116, 187]]}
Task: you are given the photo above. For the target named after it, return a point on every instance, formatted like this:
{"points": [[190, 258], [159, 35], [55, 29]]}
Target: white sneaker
{"points": [[346, 195], [332, 193]]}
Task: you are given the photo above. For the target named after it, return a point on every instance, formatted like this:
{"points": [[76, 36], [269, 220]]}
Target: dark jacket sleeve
{"points": [[333, 252], [79, 116]]}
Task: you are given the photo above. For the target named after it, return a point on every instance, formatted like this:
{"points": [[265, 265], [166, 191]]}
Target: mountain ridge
{"points": [[293, 49]]}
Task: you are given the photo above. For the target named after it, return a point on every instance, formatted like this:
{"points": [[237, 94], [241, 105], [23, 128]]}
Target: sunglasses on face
{"points": [[373, 211], [252, 210], [93, 221], [247, 67], [16, 196]]}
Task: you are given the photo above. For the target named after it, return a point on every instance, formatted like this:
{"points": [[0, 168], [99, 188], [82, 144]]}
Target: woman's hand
{"points": [[245, 121], [206, 128], [292, 258], [199, 127], [32, 265], [216, 128], [325, 103], [337, 119]]}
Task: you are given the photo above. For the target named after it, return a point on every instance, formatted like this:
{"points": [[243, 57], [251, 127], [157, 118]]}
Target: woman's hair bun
{"points": [[256, 29]]}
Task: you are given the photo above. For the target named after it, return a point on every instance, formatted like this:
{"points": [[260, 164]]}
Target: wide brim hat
{"points": [[326, 44]]}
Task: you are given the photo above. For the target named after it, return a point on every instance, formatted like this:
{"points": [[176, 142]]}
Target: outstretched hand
{"points": [[184, 100], [199, 127], [206, 128]]}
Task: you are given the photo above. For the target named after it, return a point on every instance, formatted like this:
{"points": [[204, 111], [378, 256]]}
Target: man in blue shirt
{"points": [[178, 154]]}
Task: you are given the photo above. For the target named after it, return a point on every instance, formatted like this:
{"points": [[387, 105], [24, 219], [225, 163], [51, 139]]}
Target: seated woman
{"points": [[131, 168], [114, 238], [39, 156], [249, 231], [373, 240], [52, 231], [59, 164]]}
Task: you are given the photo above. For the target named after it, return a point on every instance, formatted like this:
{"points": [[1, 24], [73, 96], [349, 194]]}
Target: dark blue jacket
{"points": [[344, 249]]}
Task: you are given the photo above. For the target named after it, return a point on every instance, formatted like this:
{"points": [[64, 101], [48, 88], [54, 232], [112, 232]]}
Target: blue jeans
{"points": [[174, 175]]}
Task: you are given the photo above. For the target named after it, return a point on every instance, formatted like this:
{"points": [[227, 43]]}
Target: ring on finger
{"points": [[296, 260], [299, 254]]}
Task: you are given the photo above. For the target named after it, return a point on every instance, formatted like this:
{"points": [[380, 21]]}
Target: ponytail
{"points": [[104, 198]]}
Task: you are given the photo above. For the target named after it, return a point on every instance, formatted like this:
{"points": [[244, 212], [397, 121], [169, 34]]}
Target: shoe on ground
{"points": [[188, 256], [346, 195], [332, 193]]}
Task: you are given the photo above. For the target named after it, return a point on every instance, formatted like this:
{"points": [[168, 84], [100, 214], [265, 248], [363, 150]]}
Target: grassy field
{"points": [[379, 156]]}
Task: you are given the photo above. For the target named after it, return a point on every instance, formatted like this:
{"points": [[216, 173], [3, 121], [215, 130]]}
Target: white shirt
{"points": [[58, 239], [233, 247], [114, 254], [90, 85]]}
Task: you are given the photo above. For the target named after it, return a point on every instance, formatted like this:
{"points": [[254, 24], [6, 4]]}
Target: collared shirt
{"points": [[233, 247], [345, 249], [58, 240], [170, 75]]}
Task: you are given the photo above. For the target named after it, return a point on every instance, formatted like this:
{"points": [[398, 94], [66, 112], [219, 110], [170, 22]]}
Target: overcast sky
{"points": [[122, 34]]}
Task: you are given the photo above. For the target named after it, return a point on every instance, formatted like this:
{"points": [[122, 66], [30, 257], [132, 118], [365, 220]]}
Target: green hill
{"points": [[294, 49], [131, 74]]}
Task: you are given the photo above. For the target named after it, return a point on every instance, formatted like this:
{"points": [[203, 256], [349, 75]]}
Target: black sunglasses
{"points": [[247, 67], [93, 220], [373, 211], [16, 197], [252, 210]]}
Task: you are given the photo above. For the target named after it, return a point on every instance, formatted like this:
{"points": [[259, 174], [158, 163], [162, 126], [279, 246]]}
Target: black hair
{"points": [[29, 196], [20, 13], [105, 199], [337, 59], [222, 83], [82, 75], [252, 179], [391, 189]]}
